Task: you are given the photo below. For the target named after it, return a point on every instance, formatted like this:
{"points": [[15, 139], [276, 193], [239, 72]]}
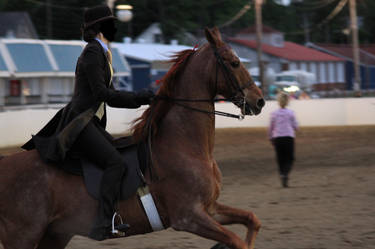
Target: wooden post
{"points": [[2, 93], [44, 90], [23, 100], [258, 23], [354, 30]]}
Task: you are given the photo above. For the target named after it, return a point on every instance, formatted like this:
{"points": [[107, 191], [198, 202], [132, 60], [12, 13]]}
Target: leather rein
{"points": [[229, 78]]}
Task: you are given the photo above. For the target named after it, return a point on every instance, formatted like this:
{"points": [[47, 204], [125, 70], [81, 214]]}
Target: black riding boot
{"points": [[109, 190]]}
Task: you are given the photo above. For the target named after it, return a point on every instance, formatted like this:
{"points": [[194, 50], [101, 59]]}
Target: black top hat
{"points": [[97, 14]]}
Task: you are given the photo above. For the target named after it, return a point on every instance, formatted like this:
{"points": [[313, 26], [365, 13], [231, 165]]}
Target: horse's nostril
{"points": [[260, 103]]}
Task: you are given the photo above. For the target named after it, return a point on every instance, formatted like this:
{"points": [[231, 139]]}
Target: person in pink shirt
{"points": [[281, 132]]}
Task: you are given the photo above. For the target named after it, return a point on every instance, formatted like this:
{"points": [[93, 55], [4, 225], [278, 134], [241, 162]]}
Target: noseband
{"points": [[228, 75]]}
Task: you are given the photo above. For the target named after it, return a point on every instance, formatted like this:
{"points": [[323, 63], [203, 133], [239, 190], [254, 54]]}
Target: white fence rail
{"points": [[16, 126]]}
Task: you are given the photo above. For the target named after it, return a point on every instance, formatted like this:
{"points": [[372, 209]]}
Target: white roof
{"points": [[149, 52]]}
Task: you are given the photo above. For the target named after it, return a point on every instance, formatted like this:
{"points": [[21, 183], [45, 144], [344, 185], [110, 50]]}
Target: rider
{"points": [[80, 126]]}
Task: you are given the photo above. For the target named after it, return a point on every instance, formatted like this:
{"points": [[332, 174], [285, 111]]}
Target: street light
{"points": [[124, 15], [124, 7]]}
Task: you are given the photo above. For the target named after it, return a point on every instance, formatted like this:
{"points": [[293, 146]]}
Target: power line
{"points": [[237, 16], [331, 15], [337, 10], [55, 5]]}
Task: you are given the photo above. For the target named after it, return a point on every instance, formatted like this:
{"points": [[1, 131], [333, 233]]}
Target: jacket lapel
{"points": [[107, 69]]}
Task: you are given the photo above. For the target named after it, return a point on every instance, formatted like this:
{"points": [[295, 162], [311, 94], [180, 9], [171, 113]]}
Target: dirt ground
{"points": [[330, 203]]}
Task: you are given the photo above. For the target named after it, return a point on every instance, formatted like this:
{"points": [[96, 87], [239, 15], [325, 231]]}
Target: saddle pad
{"points": [[130, 183]]}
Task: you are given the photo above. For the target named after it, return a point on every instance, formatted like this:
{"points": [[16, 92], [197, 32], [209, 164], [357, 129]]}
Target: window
{"points": [[322, 73], [14, 88], [340, 72], [331, 72], [293, 66]]}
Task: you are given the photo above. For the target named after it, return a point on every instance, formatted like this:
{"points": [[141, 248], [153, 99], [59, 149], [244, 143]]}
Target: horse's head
{"points": [[232, 79]]}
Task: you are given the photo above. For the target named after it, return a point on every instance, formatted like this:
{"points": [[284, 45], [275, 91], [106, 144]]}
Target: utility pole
{"points": [[258, 23], [354, 30], [111, 4]]}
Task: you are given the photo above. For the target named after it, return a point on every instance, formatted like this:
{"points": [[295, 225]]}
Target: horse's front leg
{"points": [[227, 215], [201, 223]]}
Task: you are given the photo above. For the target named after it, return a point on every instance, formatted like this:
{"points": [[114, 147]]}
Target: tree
{"points": [[179, 16], [66, 15]]}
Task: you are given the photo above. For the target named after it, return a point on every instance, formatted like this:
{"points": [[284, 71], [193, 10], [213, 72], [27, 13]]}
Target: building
{"points": [[148, 62], [152, 34], [42, 71], [281, 55], [345, 52], [269, 35]]}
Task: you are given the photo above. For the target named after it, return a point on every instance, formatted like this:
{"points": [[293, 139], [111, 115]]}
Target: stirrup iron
{"points": [[114, 230]]}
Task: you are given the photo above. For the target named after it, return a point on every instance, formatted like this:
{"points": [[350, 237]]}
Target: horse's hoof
{"points": [[220, 246]]}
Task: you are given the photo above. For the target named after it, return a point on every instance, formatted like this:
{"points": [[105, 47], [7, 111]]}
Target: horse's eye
{"points": [[235, 63]]}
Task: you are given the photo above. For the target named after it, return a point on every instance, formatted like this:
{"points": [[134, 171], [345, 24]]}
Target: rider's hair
{"points": [[89, 33], [283, 99]]}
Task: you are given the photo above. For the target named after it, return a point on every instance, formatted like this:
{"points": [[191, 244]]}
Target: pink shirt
{"points": [[283, 123]]}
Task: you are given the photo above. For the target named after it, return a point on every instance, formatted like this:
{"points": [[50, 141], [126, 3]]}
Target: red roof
{"points": [[290, 51], [369, 48], [347, 51]]}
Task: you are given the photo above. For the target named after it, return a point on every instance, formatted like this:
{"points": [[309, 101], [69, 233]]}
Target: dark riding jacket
{"points": [[92, 87]]}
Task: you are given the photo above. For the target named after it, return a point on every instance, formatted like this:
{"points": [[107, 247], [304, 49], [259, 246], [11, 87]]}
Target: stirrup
{"points": [[116, 231]]}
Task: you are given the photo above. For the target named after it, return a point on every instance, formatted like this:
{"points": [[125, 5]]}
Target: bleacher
{"points": [[42, 71]]}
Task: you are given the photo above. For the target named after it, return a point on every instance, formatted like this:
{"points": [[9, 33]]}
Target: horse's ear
{"points": [[217, 33], [213, 36]]}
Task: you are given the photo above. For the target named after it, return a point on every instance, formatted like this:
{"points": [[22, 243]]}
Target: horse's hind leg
{"points": [[200, 223], [18, 240], [55, 241], [227, 215]]}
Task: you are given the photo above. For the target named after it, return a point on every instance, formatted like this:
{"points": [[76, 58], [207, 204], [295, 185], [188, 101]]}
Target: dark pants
{"points": [[95, 145], [284, 147]]}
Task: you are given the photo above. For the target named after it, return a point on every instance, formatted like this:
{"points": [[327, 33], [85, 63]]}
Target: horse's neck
{"points": [[194, 127]]}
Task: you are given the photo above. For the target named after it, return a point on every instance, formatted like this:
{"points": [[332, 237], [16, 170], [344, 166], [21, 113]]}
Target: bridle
{"points": [[238, 96], [229, 77]]}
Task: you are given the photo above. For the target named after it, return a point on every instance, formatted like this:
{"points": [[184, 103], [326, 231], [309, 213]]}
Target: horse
{"points": [[42, 206]]}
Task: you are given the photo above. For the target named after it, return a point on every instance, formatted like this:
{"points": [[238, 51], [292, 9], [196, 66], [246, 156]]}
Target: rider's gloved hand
{"points": [[144, 97]]}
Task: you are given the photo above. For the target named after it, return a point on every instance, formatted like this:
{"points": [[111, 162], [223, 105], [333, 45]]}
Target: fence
{"points": [[16, 126]]}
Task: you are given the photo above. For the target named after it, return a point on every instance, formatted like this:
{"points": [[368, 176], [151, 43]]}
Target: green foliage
{"points": [[179, 16]]}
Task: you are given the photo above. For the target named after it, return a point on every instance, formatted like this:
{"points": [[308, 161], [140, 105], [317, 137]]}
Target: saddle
{"points": [[136, 157]]}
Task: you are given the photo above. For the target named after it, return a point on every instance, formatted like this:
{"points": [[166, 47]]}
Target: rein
{"points": [[177, 102]]}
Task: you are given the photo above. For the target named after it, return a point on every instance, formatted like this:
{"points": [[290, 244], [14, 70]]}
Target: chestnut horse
{"points": [[43, 207]]}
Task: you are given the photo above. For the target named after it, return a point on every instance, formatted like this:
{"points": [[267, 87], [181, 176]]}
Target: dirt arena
{"points": [[330, 203]]}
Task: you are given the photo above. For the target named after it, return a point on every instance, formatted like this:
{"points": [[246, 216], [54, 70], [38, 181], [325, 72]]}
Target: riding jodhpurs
{"points": [[94, 145], [284, 147]]}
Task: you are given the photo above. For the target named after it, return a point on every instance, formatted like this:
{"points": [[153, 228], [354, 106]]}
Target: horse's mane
{"points": [[159, 108]]}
